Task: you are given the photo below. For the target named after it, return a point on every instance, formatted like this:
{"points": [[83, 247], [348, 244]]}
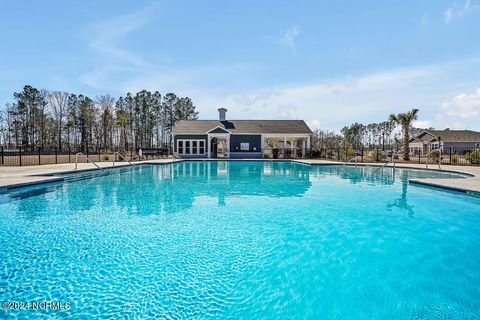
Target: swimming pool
{"points": [[232, 240]]}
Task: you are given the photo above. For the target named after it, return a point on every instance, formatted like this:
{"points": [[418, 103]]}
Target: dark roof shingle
{"points": [[450, 135], [243, 126]]}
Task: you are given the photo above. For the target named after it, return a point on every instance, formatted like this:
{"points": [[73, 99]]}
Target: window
{"points": [[180, 147], [244, 146], [196, 147]]}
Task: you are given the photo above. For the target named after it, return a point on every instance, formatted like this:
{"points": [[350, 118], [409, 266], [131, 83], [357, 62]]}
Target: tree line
{"points": [[373, 135], [62, 120]]}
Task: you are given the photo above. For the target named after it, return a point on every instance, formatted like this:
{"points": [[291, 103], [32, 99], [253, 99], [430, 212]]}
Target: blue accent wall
{"points": [[255, 141]]}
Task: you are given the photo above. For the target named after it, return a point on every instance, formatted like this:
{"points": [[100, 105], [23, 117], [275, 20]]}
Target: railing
{"points": [[352, 160], [386, 164], [88, 160], [120, 155]]}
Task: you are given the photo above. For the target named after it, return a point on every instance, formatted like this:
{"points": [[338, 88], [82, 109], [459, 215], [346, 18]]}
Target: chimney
{"points": [[221, 114]]}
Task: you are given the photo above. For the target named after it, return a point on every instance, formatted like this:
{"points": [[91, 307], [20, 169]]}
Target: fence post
{"points": [[20, 148], [419, 159], [338, 154], [450, 154], [69, 151], [362, 154], [3, 159], [39, 155], [99, 150], [56, 156]]}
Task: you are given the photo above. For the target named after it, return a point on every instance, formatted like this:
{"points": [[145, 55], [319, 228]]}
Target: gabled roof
{"points": [[449, 136], [242, 126]]}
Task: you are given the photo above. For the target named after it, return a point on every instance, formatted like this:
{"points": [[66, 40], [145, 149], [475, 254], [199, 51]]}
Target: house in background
{"points": [[240, 138], [446, 140]]}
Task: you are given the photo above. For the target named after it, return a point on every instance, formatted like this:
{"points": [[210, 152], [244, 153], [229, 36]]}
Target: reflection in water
{"points": [[175, 187], [402, 202]]}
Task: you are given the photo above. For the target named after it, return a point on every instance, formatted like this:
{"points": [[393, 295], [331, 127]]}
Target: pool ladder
{"points": [[354, 159], [88, 160], [120, 155], [386, 164]]}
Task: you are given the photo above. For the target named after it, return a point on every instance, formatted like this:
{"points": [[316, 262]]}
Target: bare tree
{"points": [[106, 105], [58, 102]]}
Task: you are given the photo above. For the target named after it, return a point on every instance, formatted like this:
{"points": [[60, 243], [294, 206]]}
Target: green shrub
{"points": [[377, 155], [474, 156], [455, 158], [434, 156]]}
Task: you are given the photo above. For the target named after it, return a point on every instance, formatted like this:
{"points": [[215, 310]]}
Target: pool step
{"points": [[83, 175]]}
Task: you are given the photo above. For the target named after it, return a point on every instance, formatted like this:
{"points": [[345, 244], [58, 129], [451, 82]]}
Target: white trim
{"points": [[225, 136], [218, 127], [191, 147], [272, 135], [288, 135]]}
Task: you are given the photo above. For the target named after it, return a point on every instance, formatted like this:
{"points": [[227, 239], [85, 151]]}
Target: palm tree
{"points": [[405, 120]]}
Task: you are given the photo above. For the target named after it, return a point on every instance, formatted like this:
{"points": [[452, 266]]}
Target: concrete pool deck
{"points": [[22, 176], [27, 175]]}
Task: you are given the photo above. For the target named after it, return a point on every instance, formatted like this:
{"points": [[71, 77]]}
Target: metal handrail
{"points": [[88, 160], [113, 164], [351, 160], [387, 163]]}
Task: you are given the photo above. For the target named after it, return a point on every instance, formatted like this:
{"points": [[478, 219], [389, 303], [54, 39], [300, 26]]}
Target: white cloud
{"points": [[334, 103], [460, 10], [425, 20], [460, 112], [463, 106], [290, 37], [112, 61], [424, 124], [314, 124], [448, 15]]}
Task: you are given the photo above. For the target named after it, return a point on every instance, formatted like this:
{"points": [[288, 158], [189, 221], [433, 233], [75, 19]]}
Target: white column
{"points": [[227, 138], [284, 142], [208, 147], [262, 145], [308, 142], [304, 144]]}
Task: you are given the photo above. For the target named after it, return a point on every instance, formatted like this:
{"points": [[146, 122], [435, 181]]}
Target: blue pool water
{"points": [[242, 240]]}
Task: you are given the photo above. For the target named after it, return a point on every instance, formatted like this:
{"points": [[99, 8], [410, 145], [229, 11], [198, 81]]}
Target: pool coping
{"points": [[52, 175], [470, 184]]}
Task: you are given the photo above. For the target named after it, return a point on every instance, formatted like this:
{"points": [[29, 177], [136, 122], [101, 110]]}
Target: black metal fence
{"points": [[457, 156], [20, 156]]}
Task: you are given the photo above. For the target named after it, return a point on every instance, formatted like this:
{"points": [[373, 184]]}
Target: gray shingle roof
{"points": [[242, 126], [450, 135]]}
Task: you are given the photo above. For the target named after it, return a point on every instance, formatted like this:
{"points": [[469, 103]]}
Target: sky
{"points": [[331, 63]]}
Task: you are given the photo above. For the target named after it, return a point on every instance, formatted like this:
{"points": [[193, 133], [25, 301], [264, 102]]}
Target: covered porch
{"points": [[281, 146]]}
